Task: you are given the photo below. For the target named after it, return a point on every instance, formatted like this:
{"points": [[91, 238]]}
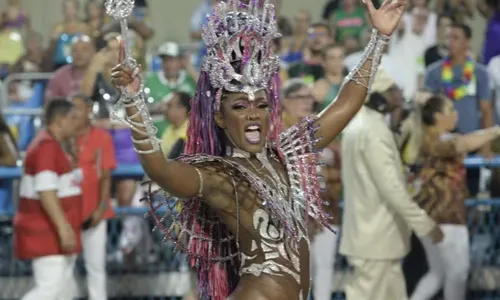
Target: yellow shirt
{"points": [[12, 46], [168, 139], [171, 136], [15, 132]]}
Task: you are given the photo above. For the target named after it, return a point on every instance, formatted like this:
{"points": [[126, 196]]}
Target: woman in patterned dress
{"points": [[442, 195]]}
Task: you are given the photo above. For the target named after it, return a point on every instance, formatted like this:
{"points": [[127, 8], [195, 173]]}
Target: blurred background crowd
{"points": [[432, 48]]}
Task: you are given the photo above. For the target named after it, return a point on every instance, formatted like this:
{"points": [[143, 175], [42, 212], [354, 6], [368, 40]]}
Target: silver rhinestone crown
{"points": [[239, 39]]}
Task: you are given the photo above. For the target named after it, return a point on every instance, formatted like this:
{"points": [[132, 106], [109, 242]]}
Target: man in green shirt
{"points": [[349, 21], [171, 78]]}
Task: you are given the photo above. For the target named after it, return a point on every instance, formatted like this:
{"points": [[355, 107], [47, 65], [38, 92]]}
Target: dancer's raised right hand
{"points": [[123, 76]]}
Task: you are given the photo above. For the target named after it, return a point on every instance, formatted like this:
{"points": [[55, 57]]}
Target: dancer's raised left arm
{"points": [[356, 86]]}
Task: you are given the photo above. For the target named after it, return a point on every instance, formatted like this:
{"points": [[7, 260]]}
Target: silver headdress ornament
{"points": [[120, 10], [239, 39]]}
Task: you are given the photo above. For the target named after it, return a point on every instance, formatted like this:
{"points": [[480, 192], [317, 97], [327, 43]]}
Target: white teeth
{"points": [[253, 127]]}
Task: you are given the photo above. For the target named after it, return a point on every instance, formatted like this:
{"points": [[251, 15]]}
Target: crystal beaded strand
{"points": [[120, 10], [373, 52], [380, 45], [146, 127]]}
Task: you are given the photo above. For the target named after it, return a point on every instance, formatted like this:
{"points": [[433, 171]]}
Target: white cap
{"points": [[382, 82], [169, 49]]}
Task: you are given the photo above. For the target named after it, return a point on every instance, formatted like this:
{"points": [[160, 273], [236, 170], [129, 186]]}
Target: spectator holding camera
{"points": [[97, 86], [96, 82]]}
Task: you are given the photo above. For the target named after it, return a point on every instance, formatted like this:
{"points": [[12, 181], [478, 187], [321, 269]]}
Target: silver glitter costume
{"points": [[280, 221]]}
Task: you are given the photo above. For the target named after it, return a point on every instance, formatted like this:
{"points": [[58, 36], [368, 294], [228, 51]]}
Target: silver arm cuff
{"points": [[200, 177], [373, 51], [146, 127]]}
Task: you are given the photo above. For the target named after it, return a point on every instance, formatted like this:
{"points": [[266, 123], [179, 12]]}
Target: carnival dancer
{"points": [[48, 219], [247, 189]]}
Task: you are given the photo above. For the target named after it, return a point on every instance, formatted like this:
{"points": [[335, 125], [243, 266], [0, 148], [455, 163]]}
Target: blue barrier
{"points": [[11, 173], [129, 170], [159, 276], [121, 171], [143, 280], [25, 123]]}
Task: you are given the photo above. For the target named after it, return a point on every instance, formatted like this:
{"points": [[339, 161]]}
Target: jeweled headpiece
{"points": [[239, 39]]}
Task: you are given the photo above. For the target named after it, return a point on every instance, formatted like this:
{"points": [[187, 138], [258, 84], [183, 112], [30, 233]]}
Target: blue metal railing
{"points": [[127, 170], [156, 275], [120, 171]]}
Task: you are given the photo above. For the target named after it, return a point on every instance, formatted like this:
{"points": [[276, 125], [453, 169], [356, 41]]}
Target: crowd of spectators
{"points": [[430, 51]]}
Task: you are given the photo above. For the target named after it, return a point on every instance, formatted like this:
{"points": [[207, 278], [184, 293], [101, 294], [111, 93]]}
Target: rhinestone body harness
{"points": [[283, 212]]}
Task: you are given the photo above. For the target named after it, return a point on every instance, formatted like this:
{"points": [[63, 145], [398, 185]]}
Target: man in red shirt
{"points": [[47, 222], [96, 158]]}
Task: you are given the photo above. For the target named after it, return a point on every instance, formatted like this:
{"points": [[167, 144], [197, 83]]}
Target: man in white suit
{"points": [[379, 213]]}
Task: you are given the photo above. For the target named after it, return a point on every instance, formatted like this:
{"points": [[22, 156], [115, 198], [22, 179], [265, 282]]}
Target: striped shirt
{"points": [[46, 168]]}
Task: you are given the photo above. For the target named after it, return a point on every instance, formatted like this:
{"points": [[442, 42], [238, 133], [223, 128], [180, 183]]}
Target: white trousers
{"points": [[448, 265], [53, 278], [376, 280], [323, 252], [94, 256]]}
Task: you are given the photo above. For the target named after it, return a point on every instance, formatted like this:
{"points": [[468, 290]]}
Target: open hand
{"points": [[124, 77], [386, 19]]}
